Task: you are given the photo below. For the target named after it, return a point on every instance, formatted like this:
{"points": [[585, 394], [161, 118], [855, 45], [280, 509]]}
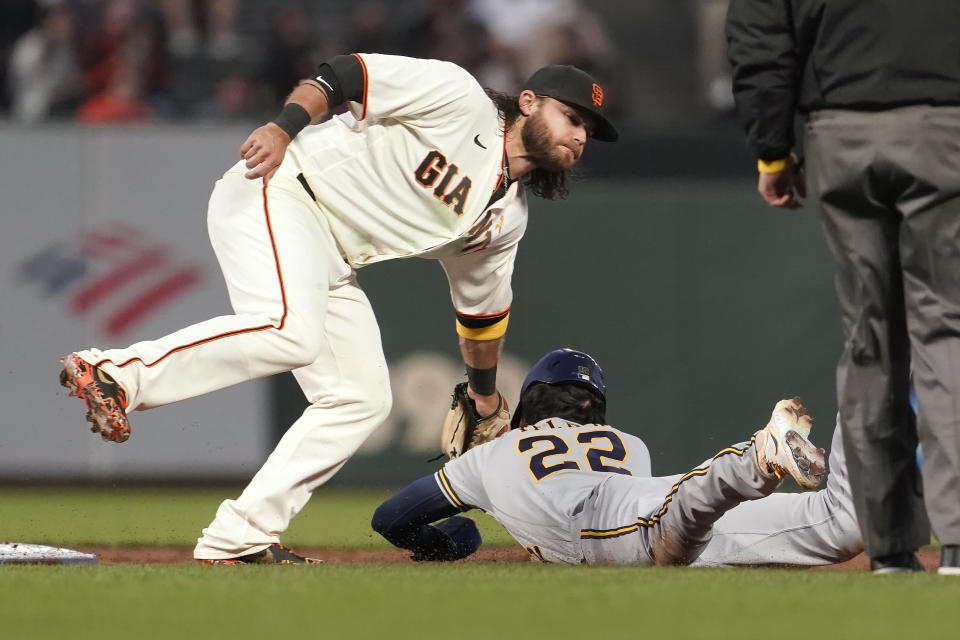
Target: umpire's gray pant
{"points": [[889, 188]]}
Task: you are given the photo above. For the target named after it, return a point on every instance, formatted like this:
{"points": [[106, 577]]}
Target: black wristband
{"points": [[482, 381], [292, 119]]}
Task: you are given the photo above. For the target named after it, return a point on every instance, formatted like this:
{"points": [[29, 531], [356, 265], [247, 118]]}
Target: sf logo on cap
{"points": [[597, 95]]}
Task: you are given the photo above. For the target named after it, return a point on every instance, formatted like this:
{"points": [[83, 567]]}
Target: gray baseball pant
{"points": [[888, 183], [805, 528], [677, 513]]}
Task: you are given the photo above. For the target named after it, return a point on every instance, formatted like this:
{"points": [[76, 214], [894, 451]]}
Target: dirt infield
{"points": [[179, 555], [929, 558]]}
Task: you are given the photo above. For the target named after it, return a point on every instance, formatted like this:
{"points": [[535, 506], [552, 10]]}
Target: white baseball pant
{"points": [[298, 307]]}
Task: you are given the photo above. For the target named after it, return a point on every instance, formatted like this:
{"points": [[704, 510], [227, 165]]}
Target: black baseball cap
{"points": [[576, 87]]}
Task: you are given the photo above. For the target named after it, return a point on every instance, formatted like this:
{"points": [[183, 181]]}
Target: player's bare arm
{"points": [[482, 356], [263, 149]]}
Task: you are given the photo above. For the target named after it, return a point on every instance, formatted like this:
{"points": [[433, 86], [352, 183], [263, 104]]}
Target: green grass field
{"points": [[502, 601]]}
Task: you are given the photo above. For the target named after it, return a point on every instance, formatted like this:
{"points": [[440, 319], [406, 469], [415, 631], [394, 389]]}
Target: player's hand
{"points": [[263, 151], [783, 189], [486, 405], [466, 427]]}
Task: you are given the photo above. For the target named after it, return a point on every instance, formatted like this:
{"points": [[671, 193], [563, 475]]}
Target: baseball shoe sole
{"points": [[274, 554], [783, 448], [106, 401]]}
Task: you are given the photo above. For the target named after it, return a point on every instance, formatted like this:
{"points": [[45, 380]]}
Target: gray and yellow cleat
{"points": [[274, 554], [105, 399], [783, 448]]}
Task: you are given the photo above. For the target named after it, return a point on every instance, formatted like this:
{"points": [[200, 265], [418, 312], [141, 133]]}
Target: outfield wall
{"points": [[703, 306]]}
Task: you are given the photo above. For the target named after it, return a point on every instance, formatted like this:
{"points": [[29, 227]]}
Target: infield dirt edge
{"points": [[183, 555]]}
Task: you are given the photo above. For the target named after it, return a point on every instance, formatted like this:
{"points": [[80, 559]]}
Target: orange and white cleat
{"points": [[106, 401], [783, 447]]}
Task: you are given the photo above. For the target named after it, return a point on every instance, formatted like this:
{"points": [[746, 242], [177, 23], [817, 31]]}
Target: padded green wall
{"points": [[703, 305]]}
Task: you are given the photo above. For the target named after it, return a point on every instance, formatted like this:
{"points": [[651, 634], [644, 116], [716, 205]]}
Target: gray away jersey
{"points": [[525, 480]]}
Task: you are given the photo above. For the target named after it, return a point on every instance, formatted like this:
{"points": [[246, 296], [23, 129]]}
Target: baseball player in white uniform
{"points": [[572, 489], [424, 163]]}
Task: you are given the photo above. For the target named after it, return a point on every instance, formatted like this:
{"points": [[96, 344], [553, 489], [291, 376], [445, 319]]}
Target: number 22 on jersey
{"points": [[548, 445]]}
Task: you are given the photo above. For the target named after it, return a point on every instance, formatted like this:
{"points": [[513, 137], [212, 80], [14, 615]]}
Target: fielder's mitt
{"points": [[464, 428]]}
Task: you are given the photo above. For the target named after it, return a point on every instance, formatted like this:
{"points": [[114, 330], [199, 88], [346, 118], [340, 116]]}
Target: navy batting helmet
{"points": [[562, 365]]}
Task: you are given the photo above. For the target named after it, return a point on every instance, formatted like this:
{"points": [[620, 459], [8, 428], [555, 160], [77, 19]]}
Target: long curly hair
{"points": [[568, 400], [550, 185]]}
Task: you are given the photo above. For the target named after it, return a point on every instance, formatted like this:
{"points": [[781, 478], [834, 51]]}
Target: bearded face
{"points": [[542, 146]]}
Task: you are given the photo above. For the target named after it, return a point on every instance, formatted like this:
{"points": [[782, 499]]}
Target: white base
{"points": [[20, 553], [949, 571]]}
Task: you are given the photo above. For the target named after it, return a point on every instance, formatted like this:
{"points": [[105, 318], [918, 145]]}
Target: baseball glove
{"points": [[464, 428]]}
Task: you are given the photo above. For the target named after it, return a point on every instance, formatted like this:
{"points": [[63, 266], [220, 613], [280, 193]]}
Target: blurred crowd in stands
{"points": [[136, 61]]}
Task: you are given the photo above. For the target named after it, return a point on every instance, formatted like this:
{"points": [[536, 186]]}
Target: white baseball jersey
{"points": [[410, 172]]}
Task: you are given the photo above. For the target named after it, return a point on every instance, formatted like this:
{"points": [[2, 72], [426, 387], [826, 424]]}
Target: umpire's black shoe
{"points": [[949, 560], [903, 562]]}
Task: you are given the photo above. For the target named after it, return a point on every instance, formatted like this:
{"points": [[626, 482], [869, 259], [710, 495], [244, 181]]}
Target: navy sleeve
{"points": [[404, 520]]}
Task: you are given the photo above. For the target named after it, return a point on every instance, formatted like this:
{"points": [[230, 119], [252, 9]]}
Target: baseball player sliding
{"points": [[571, 489], [425, 163]]}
